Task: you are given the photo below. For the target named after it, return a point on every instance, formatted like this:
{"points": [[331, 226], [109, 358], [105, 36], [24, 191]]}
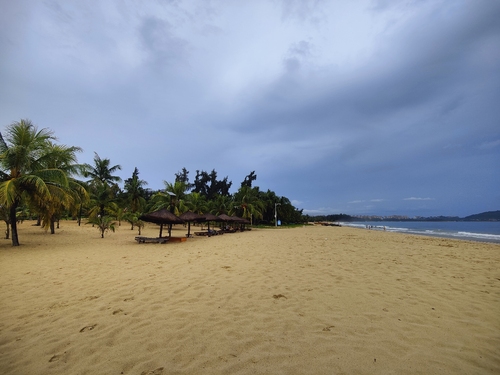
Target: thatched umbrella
{"points": [[188, 217], [162, 217], [225, 217], [241, 221], [210, 217]]}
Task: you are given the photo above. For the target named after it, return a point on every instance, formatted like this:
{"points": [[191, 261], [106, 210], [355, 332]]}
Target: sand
{"points": [[312, 300]]}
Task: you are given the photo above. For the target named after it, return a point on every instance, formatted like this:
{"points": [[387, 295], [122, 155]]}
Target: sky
{"points": [[363, 107]]}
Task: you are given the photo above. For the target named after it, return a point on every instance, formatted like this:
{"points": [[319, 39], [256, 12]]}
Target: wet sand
{"points": [[312, 300]]}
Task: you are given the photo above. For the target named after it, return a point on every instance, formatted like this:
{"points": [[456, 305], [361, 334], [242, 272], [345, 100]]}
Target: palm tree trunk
{"points": [[7, 231], [52, 227], [13, 223], [80, 215]]}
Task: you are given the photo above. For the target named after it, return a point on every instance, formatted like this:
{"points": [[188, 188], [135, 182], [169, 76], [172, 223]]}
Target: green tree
{"points": [[23, 173], [249, 179], [247, 203], [172, 198], [269, 198], [4, 215], [196, 203], [63, 198], [183, 177], [101, 170], [221, 204], [135, 192], [102, 182], [103, 223], [209, 186]]}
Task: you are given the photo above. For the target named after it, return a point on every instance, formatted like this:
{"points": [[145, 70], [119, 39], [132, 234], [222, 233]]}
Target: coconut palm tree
{"points": [[101, 171], [134, 191], [221, 204], [104, 223], [24, 174], [102, 182], [63, 197], [197, 203], [248, 203], [173, 198]]}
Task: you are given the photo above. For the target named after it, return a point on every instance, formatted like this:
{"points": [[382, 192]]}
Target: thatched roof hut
{"points": [[162, 217], [188, 217]]}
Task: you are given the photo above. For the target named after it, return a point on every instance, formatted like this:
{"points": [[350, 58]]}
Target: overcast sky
{"points": [[361, 107]]}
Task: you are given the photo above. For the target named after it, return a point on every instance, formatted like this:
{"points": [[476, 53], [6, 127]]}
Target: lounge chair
{"points": [[141, 239]]}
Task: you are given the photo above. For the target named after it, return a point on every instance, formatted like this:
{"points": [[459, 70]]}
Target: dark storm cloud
{"points": [[359, 107]]}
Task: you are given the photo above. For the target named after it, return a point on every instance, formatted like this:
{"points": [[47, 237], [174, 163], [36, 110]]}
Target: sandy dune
{"points": [[313, 300]]}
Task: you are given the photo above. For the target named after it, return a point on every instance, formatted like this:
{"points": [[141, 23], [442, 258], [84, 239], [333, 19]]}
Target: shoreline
{"points": [[313, 300], [431, 229]]}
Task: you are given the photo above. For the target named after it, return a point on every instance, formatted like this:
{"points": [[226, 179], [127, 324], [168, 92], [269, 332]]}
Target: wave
{"points": [[435, 232]]}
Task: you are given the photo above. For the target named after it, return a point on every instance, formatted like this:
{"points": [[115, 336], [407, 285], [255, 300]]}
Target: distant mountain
{"points": [[485, 216]]}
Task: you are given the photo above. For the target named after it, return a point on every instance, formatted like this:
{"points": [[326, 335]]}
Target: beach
{"points": [[307, 300]]}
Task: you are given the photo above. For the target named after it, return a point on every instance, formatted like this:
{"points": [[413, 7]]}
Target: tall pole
{"points": [[276, 214]]}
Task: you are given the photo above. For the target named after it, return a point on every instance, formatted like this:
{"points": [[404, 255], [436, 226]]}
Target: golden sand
{"points": [[313, 300]]}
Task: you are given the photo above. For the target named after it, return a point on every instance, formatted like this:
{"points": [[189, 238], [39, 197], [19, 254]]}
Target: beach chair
{"points": [[141, 239]]}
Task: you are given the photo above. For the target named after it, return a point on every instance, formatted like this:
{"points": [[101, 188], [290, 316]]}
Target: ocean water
{"points": [[487, 231]]}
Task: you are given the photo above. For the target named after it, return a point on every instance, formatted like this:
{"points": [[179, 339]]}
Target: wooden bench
{"points": [[151, 239]]}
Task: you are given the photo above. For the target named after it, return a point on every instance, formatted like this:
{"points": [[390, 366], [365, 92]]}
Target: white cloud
{"points": [[418, 199], [490, 145]]}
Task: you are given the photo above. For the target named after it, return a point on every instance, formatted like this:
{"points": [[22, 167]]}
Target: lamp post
{"points": [[276, 214]]}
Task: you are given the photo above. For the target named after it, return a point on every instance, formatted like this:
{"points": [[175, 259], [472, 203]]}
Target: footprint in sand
{"points": [[278, 296], [88, 328], [56, 357], [158, 371], [128, 299], [119, 311]]}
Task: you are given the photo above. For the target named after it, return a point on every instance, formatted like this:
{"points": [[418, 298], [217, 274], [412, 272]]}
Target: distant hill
{"points": [[485, 216]]}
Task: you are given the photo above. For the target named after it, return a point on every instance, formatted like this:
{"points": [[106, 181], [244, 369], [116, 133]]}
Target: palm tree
{"points": [[134, 191], [196, 203], [101, 171], [246, 201], [63, 197], [23, 173], [221, 204], [102, 182], [173, 198], [4, 215], [104, 223], [134, 221]]}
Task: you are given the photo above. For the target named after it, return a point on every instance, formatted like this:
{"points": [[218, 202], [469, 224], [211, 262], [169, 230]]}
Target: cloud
{"points": [[163, 47], [490, 145], [331, 104], [418, 199]]}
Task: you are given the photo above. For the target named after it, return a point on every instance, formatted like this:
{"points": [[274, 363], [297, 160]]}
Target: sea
{"points": [[484, 231]]}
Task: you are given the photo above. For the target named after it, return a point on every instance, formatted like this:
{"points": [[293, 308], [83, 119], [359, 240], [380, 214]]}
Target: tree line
{"points": [[42, 180]]}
